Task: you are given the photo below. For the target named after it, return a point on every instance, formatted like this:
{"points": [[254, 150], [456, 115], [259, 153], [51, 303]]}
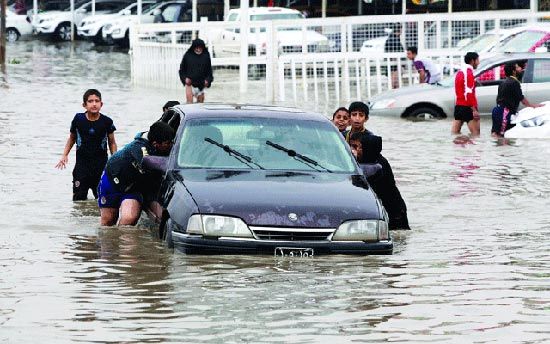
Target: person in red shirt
{"points": [[465, 100]]}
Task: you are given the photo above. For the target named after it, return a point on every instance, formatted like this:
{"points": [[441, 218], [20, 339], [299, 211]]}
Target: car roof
{"points": [[503, 57], [217, 110], [265, 10]]}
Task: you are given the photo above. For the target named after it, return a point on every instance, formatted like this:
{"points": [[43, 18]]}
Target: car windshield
{"points": [[256, 143], [481, 42], [521, 42]]}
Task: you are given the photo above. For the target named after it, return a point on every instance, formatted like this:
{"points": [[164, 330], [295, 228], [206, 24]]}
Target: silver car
{"points": [[423, 101]]}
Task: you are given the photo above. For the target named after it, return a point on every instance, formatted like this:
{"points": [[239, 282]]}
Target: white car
{"points": [[117, 31], [16, 26], [374, 46], [290, 39], [58, 23], [92, 26]]}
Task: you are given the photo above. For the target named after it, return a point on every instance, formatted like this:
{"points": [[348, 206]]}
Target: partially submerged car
{"points": [[259, 179], [424, 101]]}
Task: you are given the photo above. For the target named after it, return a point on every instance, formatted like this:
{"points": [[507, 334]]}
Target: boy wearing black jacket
{"points": [[196, 71]]}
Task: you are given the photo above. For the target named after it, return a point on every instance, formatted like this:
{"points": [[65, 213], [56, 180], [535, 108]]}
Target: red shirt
{"points": [[465, 91]]}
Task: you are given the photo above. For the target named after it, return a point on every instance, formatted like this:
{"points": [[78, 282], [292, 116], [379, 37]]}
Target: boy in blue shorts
{"points": [[92, 132], [125, 177]]}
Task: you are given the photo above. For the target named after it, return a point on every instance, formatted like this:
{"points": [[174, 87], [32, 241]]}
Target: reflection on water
{"points": [[475, 267]]}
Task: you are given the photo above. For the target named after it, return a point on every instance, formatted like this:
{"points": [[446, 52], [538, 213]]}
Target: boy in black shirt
{"points": [[92, 132], [508, 99]]}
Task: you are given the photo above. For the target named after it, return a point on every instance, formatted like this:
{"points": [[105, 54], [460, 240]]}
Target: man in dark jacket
{"points": [[196, 71], [379, 174]]}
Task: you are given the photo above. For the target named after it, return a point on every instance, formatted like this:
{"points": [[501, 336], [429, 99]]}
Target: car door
{"points": [[536, 80]]}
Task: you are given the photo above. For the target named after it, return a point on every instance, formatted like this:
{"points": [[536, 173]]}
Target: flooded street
{"points": [[475, 267]]}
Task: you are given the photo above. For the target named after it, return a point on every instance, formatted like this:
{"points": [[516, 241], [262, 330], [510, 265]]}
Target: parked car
{"points": [[531, 39], [58, 23], [91, 27], [519, 39], [117, 30], [437, 101], [290, 39], [260, 179], [17, 26]]}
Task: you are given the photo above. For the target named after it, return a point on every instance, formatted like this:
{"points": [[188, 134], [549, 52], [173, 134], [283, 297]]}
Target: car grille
{"points": [[292, 234]]}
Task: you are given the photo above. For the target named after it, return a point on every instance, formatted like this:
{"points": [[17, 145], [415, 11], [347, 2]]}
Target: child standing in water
{"points": [[196, 71], [92, 132]]}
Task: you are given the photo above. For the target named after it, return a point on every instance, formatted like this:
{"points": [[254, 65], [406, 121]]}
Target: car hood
{"points": [[320, 200]]}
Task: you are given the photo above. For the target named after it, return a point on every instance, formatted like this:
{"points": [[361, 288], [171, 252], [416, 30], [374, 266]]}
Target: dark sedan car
{"points": [[257, 179]]}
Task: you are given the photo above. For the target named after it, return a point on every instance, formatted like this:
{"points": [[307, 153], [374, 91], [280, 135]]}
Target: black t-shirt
{"points": [[510, 94], [91, 143]]}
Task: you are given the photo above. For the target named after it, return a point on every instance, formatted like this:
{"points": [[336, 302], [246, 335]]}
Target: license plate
{"points": [[293, 252]]}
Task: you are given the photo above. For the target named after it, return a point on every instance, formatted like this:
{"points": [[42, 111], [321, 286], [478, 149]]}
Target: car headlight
{"points": [[107, 27], [116, 31], [362, 230], [45, 20], [383, 104], [218, 226]]}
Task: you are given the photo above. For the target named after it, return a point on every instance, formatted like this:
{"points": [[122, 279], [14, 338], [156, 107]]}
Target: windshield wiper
{"points": [[245, 159], [297, 156]]}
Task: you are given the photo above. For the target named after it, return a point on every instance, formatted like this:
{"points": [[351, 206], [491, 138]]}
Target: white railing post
{"points": [[270, 63], [421, 39], [281, 71], [243, 65]]}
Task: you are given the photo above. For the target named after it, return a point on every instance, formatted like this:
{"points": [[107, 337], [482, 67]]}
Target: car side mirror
{"points": [[157, 12], [541, 50], [81, 10], [126, 12], [237, 30], [155, 163]]}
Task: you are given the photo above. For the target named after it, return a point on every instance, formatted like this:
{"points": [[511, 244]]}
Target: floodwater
{"points": [[475, 267]]}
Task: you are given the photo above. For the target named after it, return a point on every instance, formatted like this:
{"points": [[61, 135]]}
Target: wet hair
{"points": [[160, 132], [170, 104], [359, 106], [338, 110], [509, 69], [91, 92], [470, 56], [413, 49]]}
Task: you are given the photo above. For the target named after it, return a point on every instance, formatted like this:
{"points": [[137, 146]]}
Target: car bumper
{"points": [[45, 29], [198, 244], [87, 32]]}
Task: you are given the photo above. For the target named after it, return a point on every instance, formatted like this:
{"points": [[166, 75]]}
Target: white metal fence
{"points": [[337, 58]]}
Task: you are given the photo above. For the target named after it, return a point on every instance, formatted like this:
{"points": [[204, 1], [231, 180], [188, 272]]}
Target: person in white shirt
{"points": [[428, 71]]}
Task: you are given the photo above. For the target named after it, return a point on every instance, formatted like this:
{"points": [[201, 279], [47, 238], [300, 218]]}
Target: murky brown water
{"points": [[476, 267]]}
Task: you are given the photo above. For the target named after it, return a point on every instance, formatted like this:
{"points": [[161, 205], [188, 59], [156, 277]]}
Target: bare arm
{"points": [[65, 156], [112, 143], [422, 76], [528, 104]]}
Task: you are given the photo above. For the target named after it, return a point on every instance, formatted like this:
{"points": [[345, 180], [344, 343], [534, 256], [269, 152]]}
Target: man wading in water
{"points": [[196, 71], [92, 132]]}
